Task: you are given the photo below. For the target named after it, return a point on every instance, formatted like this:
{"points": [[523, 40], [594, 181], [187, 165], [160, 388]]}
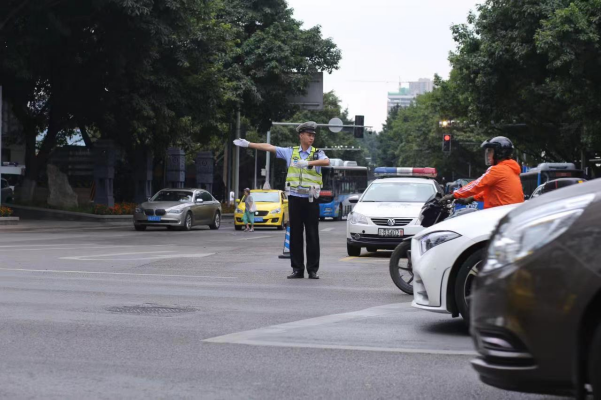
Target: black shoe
{"points": [[313, 275], [296, 275]]}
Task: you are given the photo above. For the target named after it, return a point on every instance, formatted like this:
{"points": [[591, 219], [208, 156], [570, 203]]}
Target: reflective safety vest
{"points": [[301, 179]]}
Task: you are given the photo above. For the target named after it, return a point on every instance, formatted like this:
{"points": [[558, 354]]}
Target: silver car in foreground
{"points": [[178, 208]]}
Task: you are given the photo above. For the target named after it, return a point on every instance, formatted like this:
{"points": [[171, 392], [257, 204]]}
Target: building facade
{"points": [[405, 96]]}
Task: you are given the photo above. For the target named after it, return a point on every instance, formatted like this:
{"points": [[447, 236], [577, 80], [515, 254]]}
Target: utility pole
{"points": [[1, 115], [255, 184], [267, 157], [236, 168]]}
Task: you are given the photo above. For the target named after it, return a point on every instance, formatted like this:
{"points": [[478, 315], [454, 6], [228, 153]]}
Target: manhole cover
{"points": [[151, 309]]}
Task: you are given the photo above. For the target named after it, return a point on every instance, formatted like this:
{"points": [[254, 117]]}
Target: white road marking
{"points": [[45, 245], [76, 247], [118, 254], [155, 256], [365, 259], [327, 229], [257, 237], [272, 335], [360, 348], [114, 273]]}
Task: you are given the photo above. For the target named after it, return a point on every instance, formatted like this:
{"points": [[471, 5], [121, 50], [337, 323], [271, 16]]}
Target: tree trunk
{"points": [[35, 162], [86, 138]]}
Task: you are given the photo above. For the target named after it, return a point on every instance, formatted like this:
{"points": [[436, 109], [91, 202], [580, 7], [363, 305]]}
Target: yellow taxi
{"points": [[272, 209]]}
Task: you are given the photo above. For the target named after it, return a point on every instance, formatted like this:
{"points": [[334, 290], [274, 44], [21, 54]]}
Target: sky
{"points": [[383, 42]]}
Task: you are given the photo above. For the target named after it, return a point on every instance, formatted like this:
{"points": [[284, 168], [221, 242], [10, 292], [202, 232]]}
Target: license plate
{"points": [[390, 232], [257, 219], [154, 219]]}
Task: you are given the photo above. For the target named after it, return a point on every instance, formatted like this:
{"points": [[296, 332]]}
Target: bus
{"points": [[339, 183], [546, 172]]}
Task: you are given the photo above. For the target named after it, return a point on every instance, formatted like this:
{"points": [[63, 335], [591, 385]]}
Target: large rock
{"points": [[61, 193]]}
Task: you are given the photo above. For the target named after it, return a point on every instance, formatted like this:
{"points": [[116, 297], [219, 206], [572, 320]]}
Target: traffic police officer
{"points": [[304, 183]]}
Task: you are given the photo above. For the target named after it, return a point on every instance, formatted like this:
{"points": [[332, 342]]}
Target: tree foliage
{"points": [[151, 73], [524, 69]]}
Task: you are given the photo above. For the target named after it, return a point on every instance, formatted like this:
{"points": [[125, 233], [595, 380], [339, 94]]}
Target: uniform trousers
{"points": [[304, 217]]}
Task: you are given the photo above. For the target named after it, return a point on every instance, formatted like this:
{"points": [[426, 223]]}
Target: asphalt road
{"points": [[102, 311]]}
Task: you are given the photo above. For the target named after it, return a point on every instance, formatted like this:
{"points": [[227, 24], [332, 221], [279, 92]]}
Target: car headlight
{"points": [[434, 239], [276, 211], [519, 238], [357, 218], [239, 211], [139, 210], [175, 211]]}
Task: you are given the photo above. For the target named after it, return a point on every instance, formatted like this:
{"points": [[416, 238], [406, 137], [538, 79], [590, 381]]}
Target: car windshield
{"points": [[398, 192], [265, 197], [173, 195]]}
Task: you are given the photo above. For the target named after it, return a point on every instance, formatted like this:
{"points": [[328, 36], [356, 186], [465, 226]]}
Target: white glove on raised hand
{"points": [[241, 142], [301, 163]]}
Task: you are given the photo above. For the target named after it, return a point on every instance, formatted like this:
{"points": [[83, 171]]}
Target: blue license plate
{"points": [[257, 219], [154, 219]]}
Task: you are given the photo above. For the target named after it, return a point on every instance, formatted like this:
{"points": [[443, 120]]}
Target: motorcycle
{"points": [[432, 212]]}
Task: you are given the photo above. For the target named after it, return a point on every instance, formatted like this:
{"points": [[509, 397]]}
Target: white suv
{"points": [[387, 213]]}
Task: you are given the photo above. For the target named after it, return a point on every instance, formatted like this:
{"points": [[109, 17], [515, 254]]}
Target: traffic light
{"points": [[446, 142], [359, 131]]}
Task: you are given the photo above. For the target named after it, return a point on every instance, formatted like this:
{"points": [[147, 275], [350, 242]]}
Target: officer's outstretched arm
{"points": [[262, 146], [258, 146]]}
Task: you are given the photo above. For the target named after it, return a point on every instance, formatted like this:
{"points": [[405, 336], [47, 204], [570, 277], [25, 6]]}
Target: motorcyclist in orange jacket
{"points": [[500, 185]]}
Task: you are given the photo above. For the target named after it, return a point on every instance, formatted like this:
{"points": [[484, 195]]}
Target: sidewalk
{"points": [[30, 225]]}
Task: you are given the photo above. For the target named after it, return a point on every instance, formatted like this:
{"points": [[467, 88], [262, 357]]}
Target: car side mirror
{"points": [[237, 201], [526, 197], [149, 199], [353, 199], [285, 201]]}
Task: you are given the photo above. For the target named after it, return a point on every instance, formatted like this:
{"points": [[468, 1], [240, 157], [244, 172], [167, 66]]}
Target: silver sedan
{"points": [[179, 208]]}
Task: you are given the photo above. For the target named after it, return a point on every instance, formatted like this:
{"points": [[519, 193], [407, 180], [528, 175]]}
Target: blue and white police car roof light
{"points": [[405, 171]]}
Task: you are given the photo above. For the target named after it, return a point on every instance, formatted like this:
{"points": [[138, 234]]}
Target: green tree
{"points": [[151, 73], [138, 71], [528, 71], [274, 58]]}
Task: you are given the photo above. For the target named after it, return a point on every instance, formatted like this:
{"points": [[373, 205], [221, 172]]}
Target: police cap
{"points": [[310, 127]]}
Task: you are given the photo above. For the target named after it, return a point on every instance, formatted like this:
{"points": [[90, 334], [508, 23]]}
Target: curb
{"points": [[9, 220], [28, 212]]}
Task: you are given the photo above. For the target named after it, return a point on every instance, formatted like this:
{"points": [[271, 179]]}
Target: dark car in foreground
{"points": [[536, 303]]}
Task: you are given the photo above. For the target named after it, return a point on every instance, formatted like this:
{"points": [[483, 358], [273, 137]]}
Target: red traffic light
{"points": [[447, 138]]}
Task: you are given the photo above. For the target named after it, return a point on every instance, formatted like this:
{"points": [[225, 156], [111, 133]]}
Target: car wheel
{"points": [[216, 221], [322, 218], [400, 268], [188, 222], [371, 249], [353, 251], [282, 225], [339, 217], [463, 283], [238, 227], [140, 228], [594, 364]]}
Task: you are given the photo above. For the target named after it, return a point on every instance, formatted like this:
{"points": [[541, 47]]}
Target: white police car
{"points": [[386, 213]]}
